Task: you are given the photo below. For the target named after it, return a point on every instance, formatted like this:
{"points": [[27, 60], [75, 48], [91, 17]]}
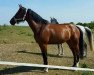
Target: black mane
{"points": [[36, 17]]}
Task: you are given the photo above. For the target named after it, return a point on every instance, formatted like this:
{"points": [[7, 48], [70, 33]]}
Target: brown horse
{"points": [[47, 33], [86, 32]]}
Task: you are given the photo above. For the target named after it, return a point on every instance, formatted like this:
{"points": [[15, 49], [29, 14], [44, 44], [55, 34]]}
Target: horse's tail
{"points": [[90, 37], [81, 44]]}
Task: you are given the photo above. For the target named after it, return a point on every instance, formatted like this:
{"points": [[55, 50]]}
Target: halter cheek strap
{"points": [[21, 18], [25, 15]]}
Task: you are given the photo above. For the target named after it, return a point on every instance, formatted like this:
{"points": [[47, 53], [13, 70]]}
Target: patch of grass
{"points": [[84, 65], [5, 41], [87, 73], [21, 33], [29, 34], [3, 28], [15, 34]]}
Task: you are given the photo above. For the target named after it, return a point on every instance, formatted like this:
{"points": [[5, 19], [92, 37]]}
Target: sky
{"points": [[63, 10]]}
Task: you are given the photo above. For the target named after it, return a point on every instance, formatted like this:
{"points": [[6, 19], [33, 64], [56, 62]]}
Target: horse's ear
{"points": [[50, 17], [20, 6]]}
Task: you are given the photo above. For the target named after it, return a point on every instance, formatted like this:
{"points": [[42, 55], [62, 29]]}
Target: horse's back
{"points": [[59, 33], [71, 28]]}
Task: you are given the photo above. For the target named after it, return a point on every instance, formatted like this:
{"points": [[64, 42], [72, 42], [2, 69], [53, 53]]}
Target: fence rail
{"points": [[48, 66]]}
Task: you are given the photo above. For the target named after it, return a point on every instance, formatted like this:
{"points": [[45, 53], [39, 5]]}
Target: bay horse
{"points": [[86, 31], [47, 33], [60, 51]]}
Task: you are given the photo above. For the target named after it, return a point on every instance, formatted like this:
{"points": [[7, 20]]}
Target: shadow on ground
{"points": [[50, 55], [20, 69]]}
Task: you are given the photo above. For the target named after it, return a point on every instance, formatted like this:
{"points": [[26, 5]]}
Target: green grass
{"points": [[87, 73], [15, 34]]}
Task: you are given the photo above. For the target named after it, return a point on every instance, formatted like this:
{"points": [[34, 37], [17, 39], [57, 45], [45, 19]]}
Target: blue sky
{"points": [[62, 10]]}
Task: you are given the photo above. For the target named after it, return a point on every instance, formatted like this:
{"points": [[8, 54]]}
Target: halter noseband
{"points": [[23, 19]]}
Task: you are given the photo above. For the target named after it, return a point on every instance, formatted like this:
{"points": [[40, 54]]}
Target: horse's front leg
{"points": [[59, 52], [43, 48]]}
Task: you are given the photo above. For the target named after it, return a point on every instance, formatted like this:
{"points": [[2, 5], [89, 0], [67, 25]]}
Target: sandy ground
{"points": [[30, 53]]}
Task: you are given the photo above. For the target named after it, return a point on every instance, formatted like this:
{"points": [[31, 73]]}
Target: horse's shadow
{"points": [[23, 69], [49, 55]]}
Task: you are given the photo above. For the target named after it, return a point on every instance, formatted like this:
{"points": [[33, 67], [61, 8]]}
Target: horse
{"points": [[60, 52], [86, 31], [46, 33]]}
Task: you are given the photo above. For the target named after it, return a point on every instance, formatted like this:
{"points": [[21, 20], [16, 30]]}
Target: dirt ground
{"points": [[30, 53]]}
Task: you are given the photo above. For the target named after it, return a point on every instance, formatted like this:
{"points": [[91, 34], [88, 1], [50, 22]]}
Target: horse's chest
{"points": [[43, 38]]}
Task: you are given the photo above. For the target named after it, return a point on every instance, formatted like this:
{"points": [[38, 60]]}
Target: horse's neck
{"points": [[34, 26]]}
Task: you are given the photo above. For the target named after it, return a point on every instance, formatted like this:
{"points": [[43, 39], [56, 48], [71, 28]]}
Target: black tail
{"points": [[81, 44]]}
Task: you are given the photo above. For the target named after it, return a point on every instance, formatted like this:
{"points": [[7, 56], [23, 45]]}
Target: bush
{"points": [[84, 66], [86, 73], [90, 25]]}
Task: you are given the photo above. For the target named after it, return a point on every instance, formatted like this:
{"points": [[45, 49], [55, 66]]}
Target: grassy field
{"points": [[18, 45]]}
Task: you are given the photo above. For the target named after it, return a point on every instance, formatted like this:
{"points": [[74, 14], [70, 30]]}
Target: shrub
{"points": [[84, 66], [86, 73], [90, 25]]}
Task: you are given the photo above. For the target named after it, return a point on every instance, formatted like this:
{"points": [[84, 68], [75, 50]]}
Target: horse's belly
{"points": [[56, 41]]}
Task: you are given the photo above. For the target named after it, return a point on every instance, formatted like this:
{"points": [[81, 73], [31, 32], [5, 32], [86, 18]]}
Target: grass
{"points": [[15, 34], [18, 45]]}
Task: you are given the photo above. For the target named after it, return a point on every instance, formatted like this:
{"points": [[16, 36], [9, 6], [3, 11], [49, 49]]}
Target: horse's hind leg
{"points": [[85, 49], [74, 46], [60, 51], [76, 59]]}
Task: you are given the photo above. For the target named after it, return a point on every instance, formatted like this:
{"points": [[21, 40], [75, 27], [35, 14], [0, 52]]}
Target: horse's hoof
{"points": [[60, 54], [45, 69], [77, 65], [84, 55]]}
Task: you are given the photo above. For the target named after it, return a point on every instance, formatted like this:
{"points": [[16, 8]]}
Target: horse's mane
{"points": [[36, 17]]}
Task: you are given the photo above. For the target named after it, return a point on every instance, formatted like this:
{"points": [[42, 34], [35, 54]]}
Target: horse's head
{"points": [[19, 16], [53, 21]]}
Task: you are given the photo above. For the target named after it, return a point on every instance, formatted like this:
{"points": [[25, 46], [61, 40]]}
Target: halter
{"points": [[23, 19]]}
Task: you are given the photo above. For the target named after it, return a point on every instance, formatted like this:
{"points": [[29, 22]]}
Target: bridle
{"points": [[21, 19]]}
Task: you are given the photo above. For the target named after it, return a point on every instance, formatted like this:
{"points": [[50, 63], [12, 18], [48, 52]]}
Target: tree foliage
{"points": [[90, 25]]}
